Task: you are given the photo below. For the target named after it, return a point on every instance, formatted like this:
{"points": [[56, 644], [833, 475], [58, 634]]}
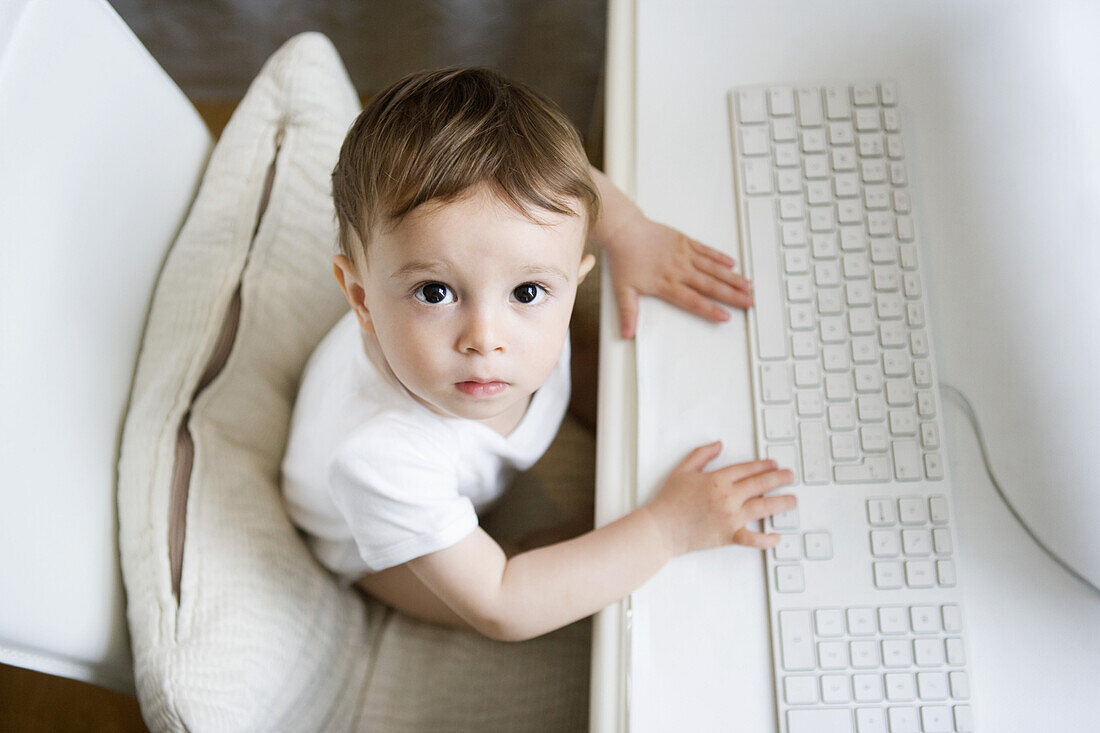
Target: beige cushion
{"points": [[250, 632]]}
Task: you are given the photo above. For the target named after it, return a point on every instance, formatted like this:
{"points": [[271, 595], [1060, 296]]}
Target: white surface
{"points": [[101, 157], [1033, 631]]}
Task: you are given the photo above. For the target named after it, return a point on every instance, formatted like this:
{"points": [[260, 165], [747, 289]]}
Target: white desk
{"points": [[660, 663]]}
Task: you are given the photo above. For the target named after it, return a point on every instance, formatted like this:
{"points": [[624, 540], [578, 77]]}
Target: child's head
{"points": [[464, 202]]}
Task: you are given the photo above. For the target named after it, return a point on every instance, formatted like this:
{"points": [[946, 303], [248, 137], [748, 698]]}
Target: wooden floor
{"points": [[31, 702]]}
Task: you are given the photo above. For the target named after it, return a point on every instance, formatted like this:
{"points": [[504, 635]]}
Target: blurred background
{"points": [[214, 48]]}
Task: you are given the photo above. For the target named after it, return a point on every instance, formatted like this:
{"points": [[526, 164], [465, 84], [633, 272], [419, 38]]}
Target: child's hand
{"points": [[697, 510], [648, 258]]}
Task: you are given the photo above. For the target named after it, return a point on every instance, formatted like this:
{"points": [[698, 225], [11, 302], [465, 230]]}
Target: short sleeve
{"points": [[396, 486]]}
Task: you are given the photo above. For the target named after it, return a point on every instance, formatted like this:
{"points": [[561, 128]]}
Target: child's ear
{"points": [[352, 285], [587, 263]]}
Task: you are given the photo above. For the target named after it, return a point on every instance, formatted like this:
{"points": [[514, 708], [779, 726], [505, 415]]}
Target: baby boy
{"points": [[464, 202]]}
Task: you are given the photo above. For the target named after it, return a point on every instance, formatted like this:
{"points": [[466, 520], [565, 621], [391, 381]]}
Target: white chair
{"points": [[100, 157]]}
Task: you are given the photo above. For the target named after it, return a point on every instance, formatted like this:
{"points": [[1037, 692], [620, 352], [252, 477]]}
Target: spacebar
{"points": [[771, 331], [832, 720]]}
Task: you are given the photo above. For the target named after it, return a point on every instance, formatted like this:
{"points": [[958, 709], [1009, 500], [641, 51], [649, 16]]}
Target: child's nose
{"points": [[481, 335]]}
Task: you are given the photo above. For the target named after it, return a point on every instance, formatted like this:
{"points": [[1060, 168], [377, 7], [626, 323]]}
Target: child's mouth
{"points": [[482, 389]]}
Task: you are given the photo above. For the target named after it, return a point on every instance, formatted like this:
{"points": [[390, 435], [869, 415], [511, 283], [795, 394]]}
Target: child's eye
{"points": [[434, 294], [529, 293]]}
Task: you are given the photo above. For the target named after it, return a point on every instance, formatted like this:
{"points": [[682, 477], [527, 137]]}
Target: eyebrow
{"points": [[414, 267]]}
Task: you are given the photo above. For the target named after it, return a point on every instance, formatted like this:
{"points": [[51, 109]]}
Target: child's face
{"points": [[471, 291]]}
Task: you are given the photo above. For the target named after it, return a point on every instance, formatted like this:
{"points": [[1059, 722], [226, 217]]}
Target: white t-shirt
{"points": [[374, 478]]}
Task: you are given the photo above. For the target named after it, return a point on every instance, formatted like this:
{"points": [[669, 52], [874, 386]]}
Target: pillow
{"points": [[233, 624]]}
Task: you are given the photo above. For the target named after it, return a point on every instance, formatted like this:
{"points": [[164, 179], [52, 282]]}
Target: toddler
{"points": [[464, 203]]}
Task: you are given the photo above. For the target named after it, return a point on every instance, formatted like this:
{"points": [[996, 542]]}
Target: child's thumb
{"points": [[628, 311]]}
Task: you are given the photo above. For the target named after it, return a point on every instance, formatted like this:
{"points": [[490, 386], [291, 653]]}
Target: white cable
{"points": [[947, 389]]}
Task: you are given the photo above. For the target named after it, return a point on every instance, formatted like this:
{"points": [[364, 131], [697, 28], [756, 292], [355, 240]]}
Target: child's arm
{"points": [[544, 589], [648, 258]]}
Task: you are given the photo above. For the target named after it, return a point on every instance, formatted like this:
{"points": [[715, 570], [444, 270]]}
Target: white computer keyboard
{"points": [[868, 630]]}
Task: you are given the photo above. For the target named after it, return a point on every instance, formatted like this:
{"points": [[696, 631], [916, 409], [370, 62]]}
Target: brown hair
{"points": [[434, 134]]}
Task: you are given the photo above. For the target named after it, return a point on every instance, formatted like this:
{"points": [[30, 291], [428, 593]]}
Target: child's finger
{"points": [[722, 274], [693, 301], [759, 540], [739, 471], [720, 291], [714, 254]]}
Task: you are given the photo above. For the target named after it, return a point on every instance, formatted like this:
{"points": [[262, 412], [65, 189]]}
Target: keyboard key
{"points": [[903, 720], [754, 141], [935, 719], [785, 520], [960, 685], [888, 93], [930, 438], [884, 543], [932, 685], [867, 687], [924, 619], [758, 176], [845, 447], [784, 130], [809, 108], [880, 513], [829, 621], [887, 575], [807, 374], [871, 720], [952, 618], [861, 621], [824, 720], [864, 654], [800, 689], [789, 548], [750, 105], [815, 458], [928, 653], [866, 120], [897, 654], [900, 687], [836, 103], [833, 655], [810, 403], [779, 423], [941, 541], [775, 383], [916, 541], [937, 505], [768, 304], [907, 460], [796, 639], [892, 620], [933, 466], [964, 721], [834, 689], [945, 573], [781, 101], [863, 95], [874, 439], [918, 574], [819, 545], [841, 133], [789, 579], [872, 470], [871, 408], [926, 404], [956, 655]]}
